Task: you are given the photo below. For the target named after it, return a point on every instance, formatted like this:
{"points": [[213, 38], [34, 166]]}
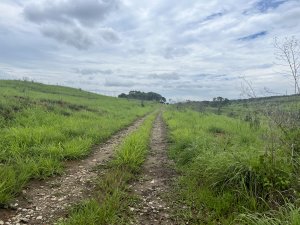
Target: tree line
{"points": [[150, 96]]}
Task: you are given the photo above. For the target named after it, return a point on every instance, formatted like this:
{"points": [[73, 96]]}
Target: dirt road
{"points": [[155, 181]]}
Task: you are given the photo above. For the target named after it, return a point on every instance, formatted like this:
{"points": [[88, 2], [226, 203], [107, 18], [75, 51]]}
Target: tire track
{"points": [[155, 181]]}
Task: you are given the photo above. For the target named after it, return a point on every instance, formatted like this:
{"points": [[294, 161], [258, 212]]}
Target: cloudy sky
{"points": [[185, 49]]}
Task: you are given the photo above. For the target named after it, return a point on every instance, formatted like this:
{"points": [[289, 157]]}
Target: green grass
{"points": [[42, 125], [227, 168], [241, 108], [285, 215], [109, 204]]}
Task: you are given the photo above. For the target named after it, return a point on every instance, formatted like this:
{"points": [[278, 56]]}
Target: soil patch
{"points": [[155, 181]]}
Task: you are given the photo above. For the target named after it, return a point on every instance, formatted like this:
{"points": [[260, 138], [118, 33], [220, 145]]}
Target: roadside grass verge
{"points": [[109, 204], [287, 214], [228, 172], [41, 126]]}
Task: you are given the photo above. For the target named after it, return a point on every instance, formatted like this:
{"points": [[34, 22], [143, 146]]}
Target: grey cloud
{"points": [[173, 52], [165, 76], [92, 71], [184, 85], [88, 82], [223, 77], [188, 86], [70, 82], [71, 21], [119, 83], [263, 66], [208, 76], [137, 51], [4, 30], [213, 77], [73, 36], [109, 35], [85, 12], [199, 76]]}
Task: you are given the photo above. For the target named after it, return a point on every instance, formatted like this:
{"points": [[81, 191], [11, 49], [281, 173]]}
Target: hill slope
{"points": [[43, 125]]}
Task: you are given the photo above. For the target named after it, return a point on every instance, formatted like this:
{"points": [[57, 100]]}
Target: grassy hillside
{"points": [[240, 164], [43, 125], [241, 107]]}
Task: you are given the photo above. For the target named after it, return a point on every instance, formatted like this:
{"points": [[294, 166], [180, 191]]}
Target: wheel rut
{"points": [[155, 181], [44, 202]]}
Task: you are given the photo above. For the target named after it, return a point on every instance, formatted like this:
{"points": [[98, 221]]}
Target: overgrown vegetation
{"points": [[43, 125], [235, 171], [111, 199]]}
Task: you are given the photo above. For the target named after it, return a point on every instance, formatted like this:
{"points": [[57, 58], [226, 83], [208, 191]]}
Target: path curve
{"points": [[157, 176], [44, 202]]}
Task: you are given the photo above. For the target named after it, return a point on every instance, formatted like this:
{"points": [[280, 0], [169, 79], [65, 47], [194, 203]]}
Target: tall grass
{"points": [[288, 214], [109, 204], [226, 169], [43, 125]]}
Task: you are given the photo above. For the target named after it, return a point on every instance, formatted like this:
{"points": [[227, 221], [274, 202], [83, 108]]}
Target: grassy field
{"points": [[237, 164], [41, 126], [231, 171], [111, 199], [240, 108]]}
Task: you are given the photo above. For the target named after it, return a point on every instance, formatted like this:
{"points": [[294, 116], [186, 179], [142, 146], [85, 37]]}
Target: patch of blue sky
{"points": [[205, 19], [265, 5], [253, 36]]}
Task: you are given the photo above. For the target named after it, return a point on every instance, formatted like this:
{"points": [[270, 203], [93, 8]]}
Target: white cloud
{"points": [[181, 49]]}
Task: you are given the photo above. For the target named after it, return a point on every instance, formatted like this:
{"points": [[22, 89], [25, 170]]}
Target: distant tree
{"points": [[219, 102], [288, 54], [150, 96], [163, 100], [122, 95]]}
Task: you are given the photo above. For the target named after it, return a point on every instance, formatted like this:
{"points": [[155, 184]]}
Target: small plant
{"points": [[253, 119], [216, 130]]}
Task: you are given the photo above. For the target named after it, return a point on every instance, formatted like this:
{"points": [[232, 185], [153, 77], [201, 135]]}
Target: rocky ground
{"points": [[154, 182]]}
